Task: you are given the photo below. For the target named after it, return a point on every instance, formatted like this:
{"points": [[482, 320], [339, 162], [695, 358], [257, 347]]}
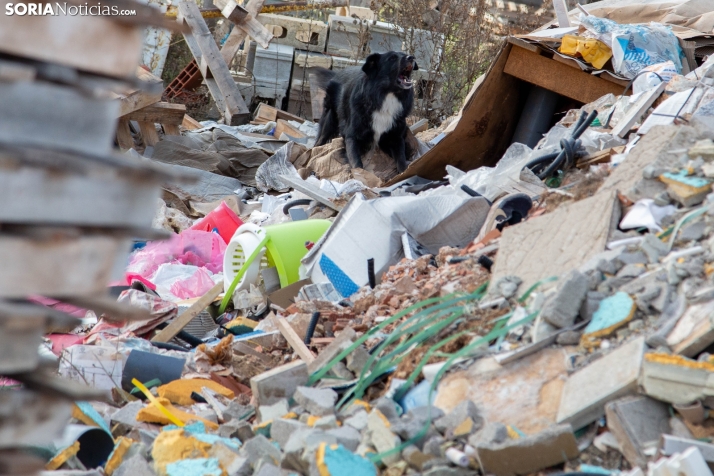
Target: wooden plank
{"points": [[171, 130], [637, 110], [159, 113], [124, 137], [141, 98], [294, 340], [287, 128], [557, 77], [148, 132], [231, 10], [245, 20], [220, 82], [266, 113], [237, 35], [525, 44], [86, 42], [170, 331], [189, 123]]}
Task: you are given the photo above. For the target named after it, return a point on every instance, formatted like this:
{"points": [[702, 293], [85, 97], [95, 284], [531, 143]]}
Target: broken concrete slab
{"points": [[135, 466], [461, 421], [530, 454], [316, 401], [613, 312], [279, 383], [637, 423], [346, 436], [343, 340], [282, 428], [676, 379], [524, 393], [563, 308], [585, 234], [260, 448], [271, 412], [588, 390], [694, 331], [381, 437]]}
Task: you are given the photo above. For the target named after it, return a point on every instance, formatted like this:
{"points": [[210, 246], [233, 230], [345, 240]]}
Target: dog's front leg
{"points": [[392, 144], [354, 149]]}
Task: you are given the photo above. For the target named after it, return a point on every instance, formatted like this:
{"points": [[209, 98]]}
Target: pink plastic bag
{"points": [[199, 248], [195, 286]]}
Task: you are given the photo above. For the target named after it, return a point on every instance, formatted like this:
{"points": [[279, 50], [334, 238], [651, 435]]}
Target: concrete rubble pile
{"points": [[229, 300]]}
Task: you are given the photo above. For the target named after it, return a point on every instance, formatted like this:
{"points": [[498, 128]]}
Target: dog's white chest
{"points": [[383, 118]]}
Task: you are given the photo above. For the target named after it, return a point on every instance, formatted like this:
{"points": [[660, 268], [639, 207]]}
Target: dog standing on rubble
{"points": [[369, 106]]}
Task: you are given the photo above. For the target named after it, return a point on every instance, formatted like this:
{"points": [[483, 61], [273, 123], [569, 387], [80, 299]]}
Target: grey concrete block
{"points": [[317, 401], [563, 308], [279, 383]]}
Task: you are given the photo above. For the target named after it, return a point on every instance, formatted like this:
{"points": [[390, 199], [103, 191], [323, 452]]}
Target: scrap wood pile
{"points": [[550, 314]]}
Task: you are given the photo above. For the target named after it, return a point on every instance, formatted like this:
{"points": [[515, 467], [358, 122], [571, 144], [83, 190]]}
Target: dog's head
{"points": [[394, 68]]}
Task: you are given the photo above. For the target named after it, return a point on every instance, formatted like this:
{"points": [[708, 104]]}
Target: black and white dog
{"points": [[368, 106]]}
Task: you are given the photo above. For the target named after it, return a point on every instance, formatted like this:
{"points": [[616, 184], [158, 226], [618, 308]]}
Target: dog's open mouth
{"points": [[404, 79]]}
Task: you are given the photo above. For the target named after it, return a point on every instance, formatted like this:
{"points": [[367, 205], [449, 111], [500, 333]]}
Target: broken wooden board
{"points": [[213, 67], [284, 126], [245, 19], [55, 116], [189, 123], [159, 113], [66, 189], [60, 263], [93, 43], [557, 77], [177, 325], [141, 98], [294, 340], [21, 329], [268, 113], [557, 242]]}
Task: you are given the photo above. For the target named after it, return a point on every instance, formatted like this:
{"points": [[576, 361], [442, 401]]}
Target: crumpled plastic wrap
{"points": [[198, 248], [196, 285], [268, 175], [635, 47]]}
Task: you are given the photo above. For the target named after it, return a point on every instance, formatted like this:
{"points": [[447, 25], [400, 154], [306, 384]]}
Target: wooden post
{"points": [[213, 66]]}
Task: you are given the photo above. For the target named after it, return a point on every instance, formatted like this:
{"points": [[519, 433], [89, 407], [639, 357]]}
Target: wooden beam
{"points": [[148, 132], [124, 137], [160, 113], [141, 98], [220, 82], [237, 35], [189, 123], [294, 340], [171, 130], [177, 325], [245, 20], [557, 77], [287, 128]]}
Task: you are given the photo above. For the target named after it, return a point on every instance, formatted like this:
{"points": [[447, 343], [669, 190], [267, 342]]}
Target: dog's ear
{"points": [[416, 66], [371, 64]]}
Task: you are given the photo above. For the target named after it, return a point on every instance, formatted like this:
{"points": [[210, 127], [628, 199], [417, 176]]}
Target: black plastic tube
{"points": [[370, 273], [311, 327], [295, 203]]}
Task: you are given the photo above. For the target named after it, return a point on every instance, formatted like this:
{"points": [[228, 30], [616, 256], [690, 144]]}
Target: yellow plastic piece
{"points": [[175, 445], [512, 433], [62, 457], [161, 409], [312, 419], [179, 391], [290, 416], [591, 50], [79, 415], [157, 404], [117, 456]]}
